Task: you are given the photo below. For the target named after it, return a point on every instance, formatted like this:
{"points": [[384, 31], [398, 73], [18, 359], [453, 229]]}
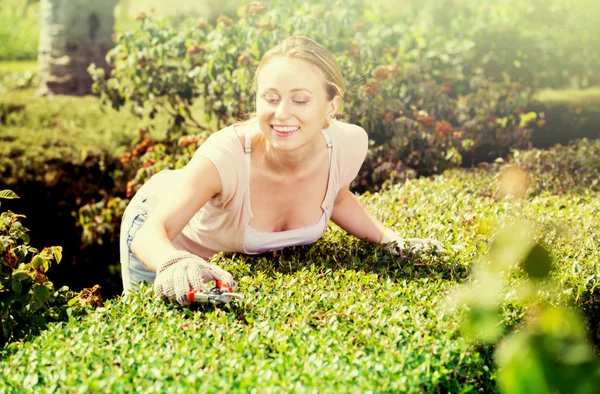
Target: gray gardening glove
{"points": [[184, 271], [411, 244], [425, 244]]}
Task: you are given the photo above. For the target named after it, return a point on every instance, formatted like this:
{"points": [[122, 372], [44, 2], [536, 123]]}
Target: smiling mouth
{"points": [[285, 129]]}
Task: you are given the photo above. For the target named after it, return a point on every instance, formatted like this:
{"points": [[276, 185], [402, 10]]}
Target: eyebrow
{"points": [[293, 90]]}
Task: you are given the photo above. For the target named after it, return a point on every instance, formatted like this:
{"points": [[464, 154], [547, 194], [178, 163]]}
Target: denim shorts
{"points": [[132, 269]]}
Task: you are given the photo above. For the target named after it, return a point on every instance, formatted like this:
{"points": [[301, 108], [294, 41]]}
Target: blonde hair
{"points": [[306, 49]]}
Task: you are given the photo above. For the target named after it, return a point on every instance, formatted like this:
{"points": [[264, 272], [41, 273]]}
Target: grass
{"points": [[336, 316], [18, 66], [585, 99]]}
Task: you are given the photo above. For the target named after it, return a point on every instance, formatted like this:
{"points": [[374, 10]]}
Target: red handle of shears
{"points": [[224, 287]]}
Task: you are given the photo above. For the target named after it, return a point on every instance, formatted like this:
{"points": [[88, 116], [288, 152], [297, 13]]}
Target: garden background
{"points": [[484, 121]]}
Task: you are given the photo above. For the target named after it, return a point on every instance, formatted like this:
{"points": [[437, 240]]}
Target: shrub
{"points": [[576, 116], [415, 99], [426, 106], [28, 300], [440, 131], [55, 176], [57, 154]]}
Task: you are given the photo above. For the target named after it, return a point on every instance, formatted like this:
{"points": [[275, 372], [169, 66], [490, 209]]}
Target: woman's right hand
{"points": [[183, 272]]}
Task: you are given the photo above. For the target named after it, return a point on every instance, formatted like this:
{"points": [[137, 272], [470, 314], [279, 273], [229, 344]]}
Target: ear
{"points": [[333, 106]]}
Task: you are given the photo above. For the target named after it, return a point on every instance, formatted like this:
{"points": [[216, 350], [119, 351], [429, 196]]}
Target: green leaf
{"points": [[255, 50], [25, 238], [37, 261], [57, 252], [41, 292], [17, 286], [538, 262], [511, 245], [8, 194], [482, 324], [522, 369], [19, 275]]}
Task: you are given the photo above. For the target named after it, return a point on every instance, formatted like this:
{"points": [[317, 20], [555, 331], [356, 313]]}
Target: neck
{"points": [[292, 162]]}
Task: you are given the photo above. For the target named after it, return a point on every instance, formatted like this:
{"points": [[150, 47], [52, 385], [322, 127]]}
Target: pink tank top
{"points": [[256, 242]]}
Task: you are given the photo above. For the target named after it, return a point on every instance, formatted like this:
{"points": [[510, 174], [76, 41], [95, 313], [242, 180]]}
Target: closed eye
{"points": [[275, 100], [270, 99]]}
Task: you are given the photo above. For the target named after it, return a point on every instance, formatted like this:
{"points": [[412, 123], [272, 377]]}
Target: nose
{"points": [[282, 112]]}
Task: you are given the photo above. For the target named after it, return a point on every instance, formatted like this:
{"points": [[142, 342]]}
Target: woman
{"points": [[269, 183]]}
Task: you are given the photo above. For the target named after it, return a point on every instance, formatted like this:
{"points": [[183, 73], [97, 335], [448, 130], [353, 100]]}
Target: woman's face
{"points": [[292, 103]]}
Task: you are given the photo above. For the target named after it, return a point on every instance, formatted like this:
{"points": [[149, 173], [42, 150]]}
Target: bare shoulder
{"points": [[241, 129], [348, 131]]}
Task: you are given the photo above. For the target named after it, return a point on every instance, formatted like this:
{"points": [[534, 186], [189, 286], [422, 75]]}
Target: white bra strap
{"points": [[329, 143], [248, 150]]}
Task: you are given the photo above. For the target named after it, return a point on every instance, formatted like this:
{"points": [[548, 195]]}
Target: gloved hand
{"points": [[184, 271], [425, 244], [411, 244]]}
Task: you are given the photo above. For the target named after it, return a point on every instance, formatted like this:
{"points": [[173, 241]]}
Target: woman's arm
{"points": [[351, 215], [197, 183]]}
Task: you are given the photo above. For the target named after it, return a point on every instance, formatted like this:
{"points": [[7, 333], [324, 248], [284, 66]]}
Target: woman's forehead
{"points": [[290, 74]]}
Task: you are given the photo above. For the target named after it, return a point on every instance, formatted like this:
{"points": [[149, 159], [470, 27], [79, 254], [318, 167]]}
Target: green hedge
{"points": [[339, 309]]}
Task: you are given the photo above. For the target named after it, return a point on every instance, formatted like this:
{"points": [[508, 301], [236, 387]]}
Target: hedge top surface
{"points": [[337, 316]]}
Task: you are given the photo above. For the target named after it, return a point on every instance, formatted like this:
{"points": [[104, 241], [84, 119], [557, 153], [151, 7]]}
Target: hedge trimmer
{"points": [[220, 294]]}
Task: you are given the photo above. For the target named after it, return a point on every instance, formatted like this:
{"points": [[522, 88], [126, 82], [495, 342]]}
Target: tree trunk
{"points": [[73, 34]]}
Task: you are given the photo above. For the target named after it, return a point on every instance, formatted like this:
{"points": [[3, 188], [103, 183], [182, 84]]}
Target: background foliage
{"points": [[28, 299], [20, 27], [414, 100], [519, 38]]}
